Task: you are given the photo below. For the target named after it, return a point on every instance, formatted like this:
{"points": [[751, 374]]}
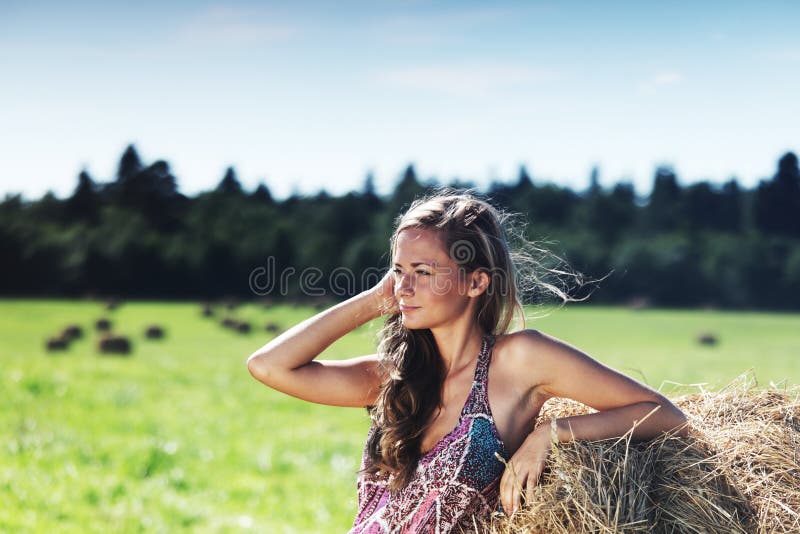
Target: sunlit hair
{"points": [[476, 236]]}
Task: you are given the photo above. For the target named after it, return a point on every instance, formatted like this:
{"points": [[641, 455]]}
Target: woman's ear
{"points": [[479, 282]]}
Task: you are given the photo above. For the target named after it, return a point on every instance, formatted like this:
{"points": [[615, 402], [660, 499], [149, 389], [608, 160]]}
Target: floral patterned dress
{"points": [[457, 479]]}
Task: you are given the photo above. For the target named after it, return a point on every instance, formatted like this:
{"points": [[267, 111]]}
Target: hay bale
{"points": [[272, 328], [243, 327], [208, 311], [72, 332], [154, 332], [110, 345], [56, 344], [102, 325], [737, 471], [708, 339], [228, 322], [639, 302]]}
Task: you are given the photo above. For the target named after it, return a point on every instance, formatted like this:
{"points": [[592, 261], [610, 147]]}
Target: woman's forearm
{"points": [[647, 419], [305, 341]]}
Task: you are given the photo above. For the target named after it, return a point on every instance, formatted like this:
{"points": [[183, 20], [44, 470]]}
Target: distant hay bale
{"points": [[154, 332], [737, 471], [112, 304], [72, 332], [707, 338], [272, 328], [208, 311], [56, 343], [228, 322], [639, 302], [102, 325], [110, 344], [243, 327]]}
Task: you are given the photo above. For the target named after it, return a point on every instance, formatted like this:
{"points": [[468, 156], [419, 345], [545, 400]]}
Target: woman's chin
{"points": [[411, 324]]}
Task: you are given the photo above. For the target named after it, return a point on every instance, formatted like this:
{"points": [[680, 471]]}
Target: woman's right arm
{"points": [[287, 362]]}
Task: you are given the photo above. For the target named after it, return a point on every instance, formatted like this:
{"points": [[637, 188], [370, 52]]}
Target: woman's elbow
{"points": [[678, 423], [258, 367], [683, 427]]}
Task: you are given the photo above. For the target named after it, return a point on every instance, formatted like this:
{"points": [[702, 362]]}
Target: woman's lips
{"points": [[406, 309]]}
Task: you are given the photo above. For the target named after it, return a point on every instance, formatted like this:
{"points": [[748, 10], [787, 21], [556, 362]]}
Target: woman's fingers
{"points": [[530, 484], [533, 480], [523, 471], [383, 294], [389, 298], [517, 481], [516, 495], [512, 485], [514, 498], [507, 488]]}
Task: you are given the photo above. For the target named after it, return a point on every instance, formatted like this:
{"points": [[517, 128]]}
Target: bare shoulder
{"points": [[532, 359], [528, 346], [519, 357], [562, 370]]}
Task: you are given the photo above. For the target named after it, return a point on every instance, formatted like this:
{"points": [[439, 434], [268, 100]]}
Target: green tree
{"points": [[129, 164], [407, 189], [665, 209], [229, 185], [262, 194], [777, 202], [84, 204]]}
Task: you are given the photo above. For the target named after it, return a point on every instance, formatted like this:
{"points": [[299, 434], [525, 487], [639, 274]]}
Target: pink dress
{"points": [[455, 480]]}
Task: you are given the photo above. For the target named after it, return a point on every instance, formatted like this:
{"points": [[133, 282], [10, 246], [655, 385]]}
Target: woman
{"points": [[452, 394]]}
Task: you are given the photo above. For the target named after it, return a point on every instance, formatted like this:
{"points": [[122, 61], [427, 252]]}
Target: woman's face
{"points": [[429, 286]]}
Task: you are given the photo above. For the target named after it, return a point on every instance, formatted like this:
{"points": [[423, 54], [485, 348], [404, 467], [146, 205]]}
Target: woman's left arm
{"points": [[624, 405]]}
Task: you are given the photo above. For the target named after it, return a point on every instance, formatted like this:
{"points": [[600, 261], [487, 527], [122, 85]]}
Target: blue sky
{"points": [[306, 95]]}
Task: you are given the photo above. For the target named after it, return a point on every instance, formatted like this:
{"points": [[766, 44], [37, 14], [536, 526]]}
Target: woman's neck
{"points": [[458, 345]]}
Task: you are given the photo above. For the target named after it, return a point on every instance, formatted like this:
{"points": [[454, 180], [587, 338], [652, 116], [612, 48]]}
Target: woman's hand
{"points": [[383, 295], [524, 469]]}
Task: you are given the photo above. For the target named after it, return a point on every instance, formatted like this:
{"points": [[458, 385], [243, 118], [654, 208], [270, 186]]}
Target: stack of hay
{"points": [[737, 471]]}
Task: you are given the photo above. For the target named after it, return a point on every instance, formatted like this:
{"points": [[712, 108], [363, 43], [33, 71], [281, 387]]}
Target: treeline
{"points": [[138, 236]]}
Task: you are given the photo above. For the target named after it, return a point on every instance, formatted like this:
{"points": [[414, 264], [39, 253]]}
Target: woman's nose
{"points": [[403, 285]]}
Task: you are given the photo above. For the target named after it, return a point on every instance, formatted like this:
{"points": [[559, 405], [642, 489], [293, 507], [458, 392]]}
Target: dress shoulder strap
{"points": [[479, 385]]}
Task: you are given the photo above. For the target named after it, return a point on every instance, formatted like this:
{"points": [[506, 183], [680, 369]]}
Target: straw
{"points": [[738, 471]]}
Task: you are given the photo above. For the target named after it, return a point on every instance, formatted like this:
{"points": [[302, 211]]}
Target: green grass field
{"points": [[179, 437]]}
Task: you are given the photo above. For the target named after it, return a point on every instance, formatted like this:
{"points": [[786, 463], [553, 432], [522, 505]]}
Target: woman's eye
{"points": [[420, 271], [396, 271]]}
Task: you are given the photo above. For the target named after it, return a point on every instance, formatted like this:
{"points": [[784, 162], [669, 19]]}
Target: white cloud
{"points": [[786, 55], [442, 24], [467, 80], [230, 25], [661, 79], [666, 78]]}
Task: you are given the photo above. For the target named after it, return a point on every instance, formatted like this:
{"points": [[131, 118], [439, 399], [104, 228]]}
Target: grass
{"points": [[179, 437]]}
